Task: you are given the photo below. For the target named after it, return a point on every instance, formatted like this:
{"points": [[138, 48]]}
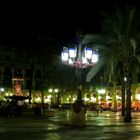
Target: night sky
{"points": [[56, 20]]}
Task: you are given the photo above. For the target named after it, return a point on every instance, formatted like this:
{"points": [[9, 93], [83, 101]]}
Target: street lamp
{"points": [[54, 91], [1, 89], [79, 57]]}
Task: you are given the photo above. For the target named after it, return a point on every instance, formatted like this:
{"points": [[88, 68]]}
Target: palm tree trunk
{"points": [[123, 98], [128, 117], [42, 102], [114, 96], [31, 81], [42, 96]]}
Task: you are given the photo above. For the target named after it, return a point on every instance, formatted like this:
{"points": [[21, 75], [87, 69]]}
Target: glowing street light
{"points": [[77, 58], [50, 90], [101, 91], [1, 89], [53, 90]]}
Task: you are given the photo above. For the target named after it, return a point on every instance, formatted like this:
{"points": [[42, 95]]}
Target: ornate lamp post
{"points": [[80, 57], [54, 91]]}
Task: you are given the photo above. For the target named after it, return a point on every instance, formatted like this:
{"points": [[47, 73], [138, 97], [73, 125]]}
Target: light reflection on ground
{"points": [[105, 126], [52, 127], [53, 136]]}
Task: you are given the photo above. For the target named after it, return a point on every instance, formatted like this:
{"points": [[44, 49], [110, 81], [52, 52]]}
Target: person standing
{"points": [[97, 109], [13, 107], [19, 107]]}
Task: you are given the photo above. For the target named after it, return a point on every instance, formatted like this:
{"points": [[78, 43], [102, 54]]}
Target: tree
{"points": [[121, 32], [40, 54]]}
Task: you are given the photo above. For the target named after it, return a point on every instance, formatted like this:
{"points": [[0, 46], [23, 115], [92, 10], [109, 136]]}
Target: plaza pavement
{"points": [[105, 126]]}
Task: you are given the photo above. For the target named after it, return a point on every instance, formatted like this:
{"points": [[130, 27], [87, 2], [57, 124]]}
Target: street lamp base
{"points": [[78, 114], [127, 118]]}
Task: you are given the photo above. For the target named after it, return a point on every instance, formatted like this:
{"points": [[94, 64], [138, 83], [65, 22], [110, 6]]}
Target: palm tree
{"points": [[121, 30], [107, 63], [41, 53]]}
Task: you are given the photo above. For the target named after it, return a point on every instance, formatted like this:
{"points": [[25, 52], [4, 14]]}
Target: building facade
{"points": [[16, 74]]}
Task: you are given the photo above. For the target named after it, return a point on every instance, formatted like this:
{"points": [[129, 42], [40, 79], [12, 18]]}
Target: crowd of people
{"points": [[14, 108]]}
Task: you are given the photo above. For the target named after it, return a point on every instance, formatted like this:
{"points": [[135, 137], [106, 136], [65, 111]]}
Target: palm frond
{"points": [[94, 71], [131, 15], [93, 39]]}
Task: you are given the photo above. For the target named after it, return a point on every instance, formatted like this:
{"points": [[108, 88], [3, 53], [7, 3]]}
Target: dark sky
{"points": [[57, 20]]}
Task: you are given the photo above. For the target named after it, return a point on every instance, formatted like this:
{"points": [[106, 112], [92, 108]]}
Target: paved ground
{"points": [[106, 126]]}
